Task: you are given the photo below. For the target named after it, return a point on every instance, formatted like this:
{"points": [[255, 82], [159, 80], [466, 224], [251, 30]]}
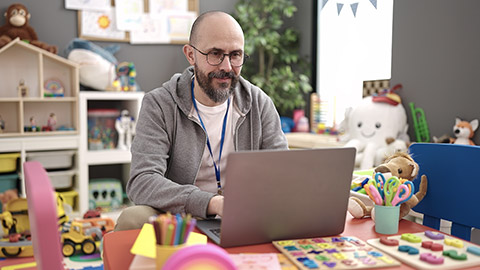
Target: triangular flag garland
{"points": [[324, 2], [339, 7], [354, 7]]}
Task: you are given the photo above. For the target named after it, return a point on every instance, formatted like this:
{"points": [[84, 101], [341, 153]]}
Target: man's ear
{"points": [[188, 51]]}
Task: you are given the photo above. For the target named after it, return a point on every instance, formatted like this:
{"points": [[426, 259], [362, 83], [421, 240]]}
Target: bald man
{"points": [[188, 126]]}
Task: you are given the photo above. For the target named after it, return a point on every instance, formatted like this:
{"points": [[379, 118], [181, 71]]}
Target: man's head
{"points": [[215, 35]]}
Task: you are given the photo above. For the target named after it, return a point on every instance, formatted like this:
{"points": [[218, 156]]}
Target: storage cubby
{"points": [[62, 169], [100, 163]]}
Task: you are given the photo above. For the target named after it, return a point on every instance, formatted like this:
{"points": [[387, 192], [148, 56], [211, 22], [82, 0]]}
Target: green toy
{"points": [[420, 124]]}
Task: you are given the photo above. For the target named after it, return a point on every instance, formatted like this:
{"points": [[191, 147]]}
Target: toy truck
{"points": [[85, 233]]}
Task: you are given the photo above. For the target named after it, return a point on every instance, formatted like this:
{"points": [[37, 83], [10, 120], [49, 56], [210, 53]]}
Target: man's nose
{"points": [[226, 64]]}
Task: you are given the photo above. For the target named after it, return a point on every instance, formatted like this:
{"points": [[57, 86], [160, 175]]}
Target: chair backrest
{"points": [[42, 213], [453, 185]]}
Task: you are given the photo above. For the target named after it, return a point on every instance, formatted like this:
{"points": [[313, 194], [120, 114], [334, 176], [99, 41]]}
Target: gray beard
{"points": [[220, 94]]}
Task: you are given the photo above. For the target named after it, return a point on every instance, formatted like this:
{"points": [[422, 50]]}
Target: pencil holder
{"points": [[386, 219], [164, 252]]}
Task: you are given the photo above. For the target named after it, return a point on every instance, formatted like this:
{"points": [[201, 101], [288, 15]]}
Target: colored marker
{"points": [[190, 228], [170, 231], [178, 229]]}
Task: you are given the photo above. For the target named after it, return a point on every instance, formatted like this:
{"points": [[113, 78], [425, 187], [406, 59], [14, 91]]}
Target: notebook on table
{"points": [[283, 194]]}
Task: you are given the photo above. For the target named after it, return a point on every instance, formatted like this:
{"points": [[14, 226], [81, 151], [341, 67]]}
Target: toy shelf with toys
{"points": [[39, 92], [39, 113], [104, 151]]}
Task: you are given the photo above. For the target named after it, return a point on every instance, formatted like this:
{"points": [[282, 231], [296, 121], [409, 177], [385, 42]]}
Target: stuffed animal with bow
{"points": [[16, 26], [402, 166]]}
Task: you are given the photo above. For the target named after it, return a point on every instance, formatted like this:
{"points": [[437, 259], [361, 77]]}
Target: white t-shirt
{"points": [[212, 118]]}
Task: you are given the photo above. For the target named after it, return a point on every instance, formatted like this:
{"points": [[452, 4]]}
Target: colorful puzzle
{"points": [[333, 253], [430, 250]]}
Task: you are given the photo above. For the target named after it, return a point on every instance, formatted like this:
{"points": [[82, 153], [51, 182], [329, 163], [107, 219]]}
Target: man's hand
{"points": [[215, 206]]}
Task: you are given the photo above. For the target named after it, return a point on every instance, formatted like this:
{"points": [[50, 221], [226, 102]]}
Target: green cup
{"points": [[386, 219]]}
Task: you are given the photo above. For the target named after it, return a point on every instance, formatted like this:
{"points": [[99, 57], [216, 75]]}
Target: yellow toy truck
{"points": [[85, 233]]}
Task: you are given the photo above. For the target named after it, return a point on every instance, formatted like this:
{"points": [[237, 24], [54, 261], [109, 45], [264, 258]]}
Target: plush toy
{"points": [[464, 131], [99, 68], [8, 195], [393, 146], [16, 26], [370, 123], [402, 166]]}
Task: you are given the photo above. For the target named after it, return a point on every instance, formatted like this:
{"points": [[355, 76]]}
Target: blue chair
{"points": [[453, 185]]}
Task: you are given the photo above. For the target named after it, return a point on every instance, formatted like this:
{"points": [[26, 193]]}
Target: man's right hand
{"points": [[215, 206]]}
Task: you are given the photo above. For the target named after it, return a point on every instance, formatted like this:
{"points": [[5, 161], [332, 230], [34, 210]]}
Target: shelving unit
{"points": [[36, 83], [99, 163], [22, 62]]}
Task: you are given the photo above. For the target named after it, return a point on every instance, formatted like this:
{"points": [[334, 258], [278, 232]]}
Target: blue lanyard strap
{"points": [[217, 169]]}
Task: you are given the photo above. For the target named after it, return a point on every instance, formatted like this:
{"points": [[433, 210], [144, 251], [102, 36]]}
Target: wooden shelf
{"points": [[38, 73]]}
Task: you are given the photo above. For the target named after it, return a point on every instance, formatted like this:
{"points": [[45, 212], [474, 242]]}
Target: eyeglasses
{"points": [[215, 57]]}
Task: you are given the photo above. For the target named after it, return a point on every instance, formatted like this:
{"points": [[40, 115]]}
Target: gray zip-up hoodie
{"points": [[169, 143]]}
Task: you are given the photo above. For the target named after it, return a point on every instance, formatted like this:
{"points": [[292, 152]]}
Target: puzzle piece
{"points": [[474, 250], [388, 242], [430, 258], [454, 242], [408, 249], [434, 236], [432, 246], [411, 238], [453, 254]]}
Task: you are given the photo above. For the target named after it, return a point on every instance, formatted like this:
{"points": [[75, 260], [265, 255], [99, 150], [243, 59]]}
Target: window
{"points": [[354, 44]]}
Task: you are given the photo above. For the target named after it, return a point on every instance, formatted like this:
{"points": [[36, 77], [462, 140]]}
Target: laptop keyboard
{"points": [[215, 231]]}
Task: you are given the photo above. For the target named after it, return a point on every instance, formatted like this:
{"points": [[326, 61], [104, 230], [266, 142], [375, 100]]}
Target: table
{"points": [[117, 256]]}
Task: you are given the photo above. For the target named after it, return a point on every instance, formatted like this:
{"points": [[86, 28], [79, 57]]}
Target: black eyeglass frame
{"points": [[245, 57]]}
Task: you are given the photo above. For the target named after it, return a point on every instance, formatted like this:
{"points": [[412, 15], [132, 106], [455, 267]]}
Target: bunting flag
{"points": [[339, 7], [354, 7], [324, 2]]}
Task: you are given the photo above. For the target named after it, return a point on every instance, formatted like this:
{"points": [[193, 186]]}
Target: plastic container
{"points": [[61, 179], [53, 159], [8, 181], [8, 162], [69, 197], [105, 192], [101, 129]]}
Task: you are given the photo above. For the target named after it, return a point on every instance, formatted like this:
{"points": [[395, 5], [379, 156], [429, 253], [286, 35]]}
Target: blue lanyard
{"points": [[217, 169]]}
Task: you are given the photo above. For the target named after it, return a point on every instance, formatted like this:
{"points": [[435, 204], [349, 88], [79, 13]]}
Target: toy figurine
{"points": [[33, 124], [125, 126], [2, 124], [22, 88], [51, 122]]}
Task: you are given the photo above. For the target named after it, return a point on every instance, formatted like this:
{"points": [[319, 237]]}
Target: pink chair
{"points": [[42, 213]]}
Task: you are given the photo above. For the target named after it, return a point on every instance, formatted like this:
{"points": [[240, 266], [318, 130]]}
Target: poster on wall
{"points": [[179, 24], [136, 21], [100, 25], [153, 30], [87, 4], [128, 14]]}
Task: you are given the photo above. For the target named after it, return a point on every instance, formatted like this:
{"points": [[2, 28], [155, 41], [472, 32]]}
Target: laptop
{"points": [[283, 194]]}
